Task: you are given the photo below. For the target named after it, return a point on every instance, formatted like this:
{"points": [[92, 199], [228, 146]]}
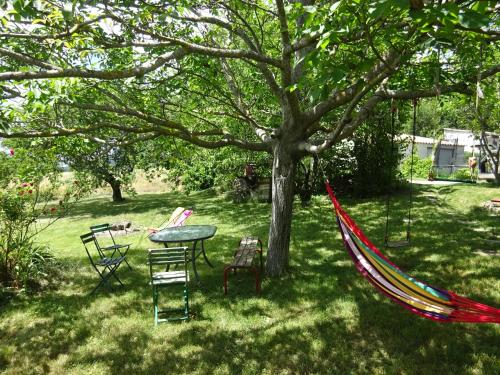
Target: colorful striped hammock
{"points": [[416, 296]]}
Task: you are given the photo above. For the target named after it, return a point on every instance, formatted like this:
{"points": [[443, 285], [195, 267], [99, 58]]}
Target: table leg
{"points": [[193, 261], [165, 245], [204, 254]]}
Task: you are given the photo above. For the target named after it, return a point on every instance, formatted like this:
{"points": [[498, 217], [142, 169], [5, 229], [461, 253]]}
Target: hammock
{"points": [[414, 295]]}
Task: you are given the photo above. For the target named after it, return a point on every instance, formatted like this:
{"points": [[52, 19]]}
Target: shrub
{"points": [[26, 209], [367, 164], [421, 167], [23, 214], [209, 168], [463, 174]]}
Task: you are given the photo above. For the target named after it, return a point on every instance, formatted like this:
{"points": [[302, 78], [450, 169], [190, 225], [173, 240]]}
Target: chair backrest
{"points": [[175, 215], [167, 256], [182, 218], [99, 228], [86, 239]]}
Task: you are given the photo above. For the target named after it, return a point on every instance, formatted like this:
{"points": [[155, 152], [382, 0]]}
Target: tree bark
{"points": [[281, 216], [492, 155]]}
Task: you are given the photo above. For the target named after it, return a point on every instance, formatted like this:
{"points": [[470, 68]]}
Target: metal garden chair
{"points": [[105, 267], [158, 259], [114, 247]]}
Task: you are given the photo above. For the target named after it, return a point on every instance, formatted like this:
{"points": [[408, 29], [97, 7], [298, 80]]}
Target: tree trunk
{"points": [[281, 217], [496, 171], [493, 156], [116, 187]]}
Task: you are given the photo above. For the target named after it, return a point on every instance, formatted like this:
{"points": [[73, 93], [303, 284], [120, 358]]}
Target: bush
{"points": [[421, 167], [26, 209], [209, 168], [367, 164], [463, 174]]}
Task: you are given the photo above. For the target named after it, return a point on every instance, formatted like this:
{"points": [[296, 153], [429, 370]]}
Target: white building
{"points": [[463, 137], [449, 156], [450, 151], [470, 141]]}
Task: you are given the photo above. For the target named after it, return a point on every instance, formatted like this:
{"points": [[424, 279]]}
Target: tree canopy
{"points": [[284, 77]]}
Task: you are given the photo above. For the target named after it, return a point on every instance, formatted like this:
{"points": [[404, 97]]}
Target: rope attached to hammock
{"points": [[416, 296]]}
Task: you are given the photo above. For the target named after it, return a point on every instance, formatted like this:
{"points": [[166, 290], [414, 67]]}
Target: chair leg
{"points": [[124, 258], [97, 287], [155, 305], [105, 277], [112, 273]]}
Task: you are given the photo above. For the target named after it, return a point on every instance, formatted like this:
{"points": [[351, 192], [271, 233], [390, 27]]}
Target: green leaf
{"points": [[336, 75], [67, 11], [310, 9], [473, 20], [381, 8], [323, 43], [334, 7], [401, 4], [480, 6]]}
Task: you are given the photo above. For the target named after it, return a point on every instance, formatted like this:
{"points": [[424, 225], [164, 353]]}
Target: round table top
{"points": [[185, 233]]}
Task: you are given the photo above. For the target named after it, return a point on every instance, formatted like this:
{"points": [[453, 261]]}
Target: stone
{"points": [[121, 226]]}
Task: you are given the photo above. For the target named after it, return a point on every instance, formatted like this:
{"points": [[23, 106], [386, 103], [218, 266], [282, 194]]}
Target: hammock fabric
{"points": [[414, 295]]}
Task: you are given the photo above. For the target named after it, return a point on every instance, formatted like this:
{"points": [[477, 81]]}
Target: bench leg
{"points": [[257, 279], [226, 271]]}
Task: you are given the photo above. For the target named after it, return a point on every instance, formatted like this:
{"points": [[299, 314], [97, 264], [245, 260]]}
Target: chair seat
{"points": [[169, 277], [114, 247], [110, 261]]}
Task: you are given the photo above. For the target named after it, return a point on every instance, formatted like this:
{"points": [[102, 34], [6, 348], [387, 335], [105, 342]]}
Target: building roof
{"points": [[426, 140], [467, 131]]}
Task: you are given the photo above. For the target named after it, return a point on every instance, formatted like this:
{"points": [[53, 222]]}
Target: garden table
{"points": [[187, 233]]}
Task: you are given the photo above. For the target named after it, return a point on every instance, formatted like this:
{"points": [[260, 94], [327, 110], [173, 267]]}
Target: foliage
{"points": [[421, 167], [26, 209], [435, 114], [366, 165], [101, 164], [209, 168], [464, 174]]}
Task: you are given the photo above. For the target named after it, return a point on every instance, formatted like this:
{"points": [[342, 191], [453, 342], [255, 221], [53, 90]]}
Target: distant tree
{"points": [[104, 164]]}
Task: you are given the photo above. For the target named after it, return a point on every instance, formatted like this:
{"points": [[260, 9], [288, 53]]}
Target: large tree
{"points": [[287, 78]]}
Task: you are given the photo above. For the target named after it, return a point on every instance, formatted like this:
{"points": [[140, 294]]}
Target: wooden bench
{"points": [[244, 258]]}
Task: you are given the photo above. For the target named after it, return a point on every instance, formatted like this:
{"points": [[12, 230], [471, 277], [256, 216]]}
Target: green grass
{"points": [[323, 317]]}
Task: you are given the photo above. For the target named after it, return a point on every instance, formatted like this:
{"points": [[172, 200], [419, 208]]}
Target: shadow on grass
{"points": [[322, 317]]}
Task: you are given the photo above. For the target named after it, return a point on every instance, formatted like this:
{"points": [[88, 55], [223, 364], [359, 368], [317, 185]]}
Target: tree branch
{"points": [[85, 73], [25, 59], [379, 72], [286, 63], [346, 126], [70, 32]]}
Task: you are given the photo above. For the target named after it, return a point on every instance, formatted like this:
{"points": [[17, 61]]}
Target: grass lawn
{"points": [[323, 317]]}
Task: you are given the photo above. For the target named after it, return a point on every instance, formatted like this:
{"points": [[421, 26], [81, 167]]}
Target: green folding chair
{"points": [[159, 259], [114, 247], [105, 267]]}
